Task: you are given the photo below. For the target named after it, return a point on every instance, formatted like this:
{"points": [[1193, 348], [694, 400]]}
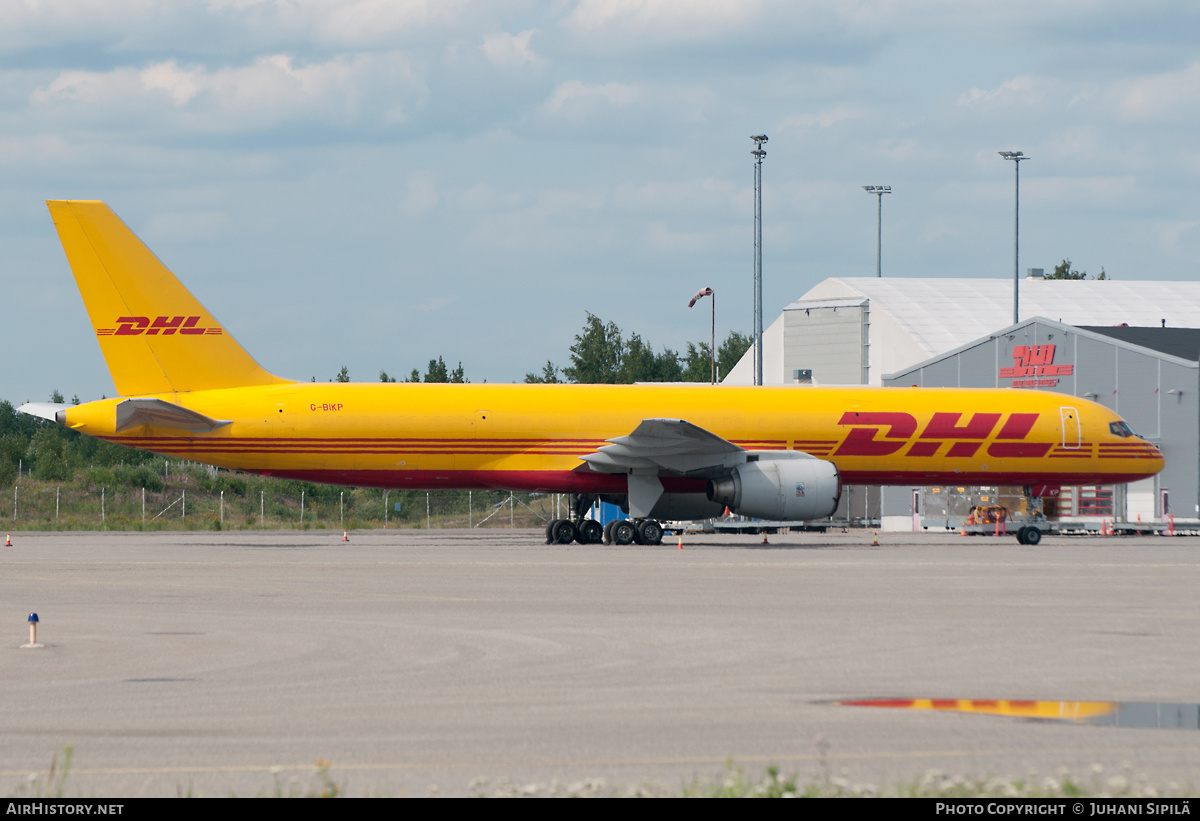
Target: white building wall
{"points": [[827, 340]]}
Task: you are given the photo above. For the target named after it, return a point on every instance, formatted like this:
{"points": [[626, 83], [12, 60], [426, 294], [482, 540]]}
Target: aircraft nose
{"points": [[1154, 456]]}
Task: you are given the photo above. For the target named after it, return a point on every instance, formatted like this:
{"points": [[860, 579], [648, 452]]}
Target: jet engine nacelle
{"points": [[800, 488]]}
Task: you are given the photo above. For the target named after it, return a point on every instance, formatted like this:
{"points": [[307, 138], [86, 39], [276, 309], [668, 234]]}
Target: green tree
{"points": [[1063, 271], [457, 376], [548, 376], [730, 352], [602, 355], [697, 364], [383, 377], [642, 364], [48, 454], [597, 353], [436, 372], [343, 375]]}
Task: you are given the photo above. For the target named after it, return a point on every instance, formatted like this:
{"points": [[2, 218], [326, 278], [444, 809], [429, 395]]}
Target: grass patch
{"points": [[771, 782]]}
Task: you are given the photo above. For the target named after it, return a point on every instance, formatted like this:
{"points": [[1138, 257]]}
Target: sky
{"points": [[375, 183]]}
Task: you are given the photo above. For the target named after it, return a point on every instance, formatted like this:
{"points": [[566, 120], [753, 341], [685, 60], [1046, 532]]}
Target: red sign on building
{"points": [[1035, 361]]}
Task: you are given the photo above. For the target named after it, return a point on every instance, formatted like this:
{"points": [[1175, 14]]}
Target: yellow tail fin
{"points": [[155, 336]]}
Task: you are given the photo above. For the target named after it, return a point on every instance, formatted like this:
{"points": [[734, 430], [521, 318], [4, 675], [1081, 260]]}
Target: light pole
{"points": [[1017, 158], [703, 292], [759, 140], [879, 191]]}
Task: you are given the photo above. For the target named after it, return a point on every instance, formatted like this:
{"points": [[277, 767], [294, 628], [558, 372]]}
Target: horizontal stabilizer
{"points": [[46, 410], [132, 413]]}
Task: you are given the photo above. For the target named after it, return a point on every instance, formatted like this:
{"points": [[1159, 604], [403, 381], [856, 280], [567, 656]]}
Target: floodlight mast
{"points": [[758, 153], [879, 191], [1017, 158]]}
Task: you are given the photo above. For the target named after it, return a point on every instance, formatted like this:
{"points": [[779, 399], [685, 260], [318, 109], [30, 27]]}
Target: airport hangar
{"points": [[1123, 344]]}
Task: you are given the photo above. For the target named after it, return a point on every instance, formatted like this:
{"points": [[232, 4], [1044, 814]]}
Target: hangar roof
{"points": [[943, 313], [1181, 342]]}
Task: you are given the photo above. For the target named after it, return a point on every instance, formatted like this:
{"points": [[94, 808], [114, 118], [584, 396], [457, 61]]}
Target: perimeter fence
{"points": [[201, 498]]}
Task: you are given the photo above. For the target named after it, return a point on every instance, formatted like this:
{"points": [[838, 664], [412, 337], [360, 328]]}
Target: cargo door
{"points": [[1070, 427]]}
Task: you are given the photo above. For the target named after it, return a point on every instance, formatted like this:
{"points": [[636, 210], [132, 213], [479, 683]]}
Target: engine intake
{"points": [[789, 489]]}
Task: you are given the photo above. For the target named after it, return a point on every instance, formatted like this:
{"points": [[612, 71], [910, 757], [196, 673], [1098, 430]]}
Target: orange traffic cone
{"points": [[345, 536], [875, 540], [681, 541], [8, 540]]}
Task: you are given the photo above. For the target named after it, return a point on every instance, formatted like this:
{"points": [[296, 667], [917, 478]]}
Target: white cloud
{"points": [[483, 197], [1173, 95], [181, 85], [800, 123], [436, 303], [1026, 88], [576, 99], [1074, 142], [509, 50], [211, 26], [667, 18], [35, 150], [1170, 233], [270, 91]]}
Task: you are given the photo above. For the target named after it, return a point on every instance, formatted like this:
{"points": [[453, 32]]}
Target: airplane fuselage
{"points": [[532, 437]]}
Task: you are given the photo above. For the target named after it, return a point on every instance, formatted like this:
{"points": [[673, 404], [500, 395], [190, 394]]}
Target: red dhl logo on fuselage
{"points": [[165, 325], [897, 429]]}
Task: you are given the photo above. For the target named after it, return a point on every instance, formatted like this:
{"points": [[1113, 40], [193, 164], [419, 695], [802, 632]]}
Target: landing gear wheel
{"points": [[1032, 536], [563, 532], [649, 532], [623, 532], [590, 532], [550, 531], [608, 528]]}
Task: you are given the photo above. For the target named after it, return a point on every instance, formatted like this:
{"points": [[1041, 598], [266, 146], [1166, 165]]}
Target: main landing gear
{"points": [[589, 531], [625, 531]]}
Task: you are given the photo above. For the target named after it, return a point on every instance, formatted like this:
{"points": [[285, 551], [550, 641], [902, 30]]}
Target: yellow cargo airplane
{"points": [[187, 389]]}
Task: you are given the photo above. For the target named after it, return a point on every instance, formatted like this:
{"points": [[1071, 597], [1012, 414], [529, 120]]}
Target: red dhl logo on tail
{"points": [[165, 325], [886, 432]]}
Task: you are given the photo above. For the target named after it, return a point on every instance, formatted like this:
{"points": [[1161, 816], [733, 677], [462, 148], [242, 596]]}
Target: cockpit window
{"points": [[1120, 429]]}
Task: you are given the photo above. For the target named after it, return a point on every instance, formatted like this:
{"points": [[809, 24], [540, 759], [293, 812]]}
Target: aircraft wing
{"points": [[666, 444]]}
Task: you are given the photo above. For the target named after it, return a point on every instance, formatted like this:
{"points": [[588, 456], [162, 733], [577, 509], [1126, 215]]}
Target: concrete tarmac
{"points": [[420, 661]]}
